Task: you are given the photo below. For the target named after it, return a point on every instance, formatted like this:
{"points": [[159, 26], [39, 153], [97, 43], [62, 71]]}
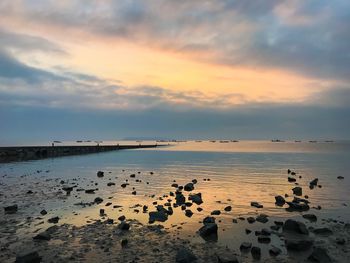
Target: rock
{"points": [[216, 212], [98, 200], [262, 218], [132, 175], [324, 231], [340, 177], [12, 209], [124, 185], [133, 192], [294, 226], [90, 191], [31, 257], [256, 253], [29, 192], [298, 244], [209, 231], [297, 191], [194, 181], [291, 179], [245, 246], [124, 242], [110, 184], [67, 189], [121, 218], [102, 212], [43, 212], [310, 217], [320, 255], [251, 220], [124, 226], [100, 174], [293, 206], [209, 220], [280, 201], [42, 236], [228, 208], [180, 198], [188, 213], [313, 183], [275, 251], [184, 255], [227, 259], [248, 231], [289, 171], [196, 198], [256, 204], [175, 185], [53, 220], [160, 216], [189, 187], [340, 241]]}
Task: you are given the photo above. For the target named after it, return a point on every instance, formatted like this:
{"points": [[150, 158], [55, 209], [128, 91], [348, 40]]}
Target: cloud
{"points": [[308, 37]]}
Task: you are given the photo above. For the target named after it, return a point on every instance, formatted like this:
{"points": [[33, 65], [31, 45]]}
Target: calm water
{"points": [[240, 172]]}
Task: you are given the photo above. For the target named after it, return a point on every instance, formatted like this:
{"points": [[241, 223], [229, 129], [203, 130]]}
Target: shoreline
{"points": [[25, 153]]}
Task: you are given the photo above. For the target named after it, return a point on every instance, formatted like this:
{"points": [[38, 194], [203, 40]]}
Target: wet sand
{"points": [[85, 233]]}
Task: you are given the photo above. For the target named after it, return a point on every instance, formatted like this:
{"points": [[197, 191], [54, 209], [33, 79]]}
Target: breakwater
{"points": [[23, 153]]}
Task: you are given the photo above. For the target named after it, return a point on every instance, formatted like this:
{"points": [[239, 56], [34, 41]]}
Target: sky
{"points": [[103, 69]]}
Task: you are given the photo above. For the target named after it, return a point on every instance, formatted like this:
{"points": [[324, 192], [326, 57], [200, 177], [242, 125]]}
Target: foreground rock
{"points": [[184, 255], [31, 257], [294, 226], [320, 255]]}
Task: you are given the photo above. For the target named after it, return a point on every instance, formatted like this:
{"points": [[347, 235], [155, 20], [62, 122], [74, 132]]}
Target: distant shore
{"points": [[24, 153]]}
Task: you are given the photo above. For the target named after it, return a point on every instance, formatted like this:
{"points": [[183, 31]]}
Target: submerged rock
{"points": [[184, 255], [12, 209]]}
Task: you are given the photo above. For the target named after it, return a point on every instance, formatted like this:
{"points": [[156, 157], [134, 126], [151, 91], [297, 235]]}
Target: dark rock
{"points": [[31, 257], [228, 208], [248, 231], [262, 218], [256, 253], [251, 220], [340, 241], [42, 236], [291, 179], [297, 191], [314, 182], [196, 198], [320, 255], [293, 206], [209, 231], [133, 192], [175, 185], [216, 212], [132, 175], [121, 218], [12, 209], [264, 239], [100, 174], [184, 255], [98, 200], [209, 220], [256, 204], [124, 242], [340, 177], [275, 251], [90, 191], [180, 198], [102, 212], [110, 184], [29, 192], [53, 220], [67, 189], [280, 201], [292, 225], [188, 213], [310, 217], [124, 226], [194, 181], [160, 216], [43, 212], [245, 246], [189, 187]]}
